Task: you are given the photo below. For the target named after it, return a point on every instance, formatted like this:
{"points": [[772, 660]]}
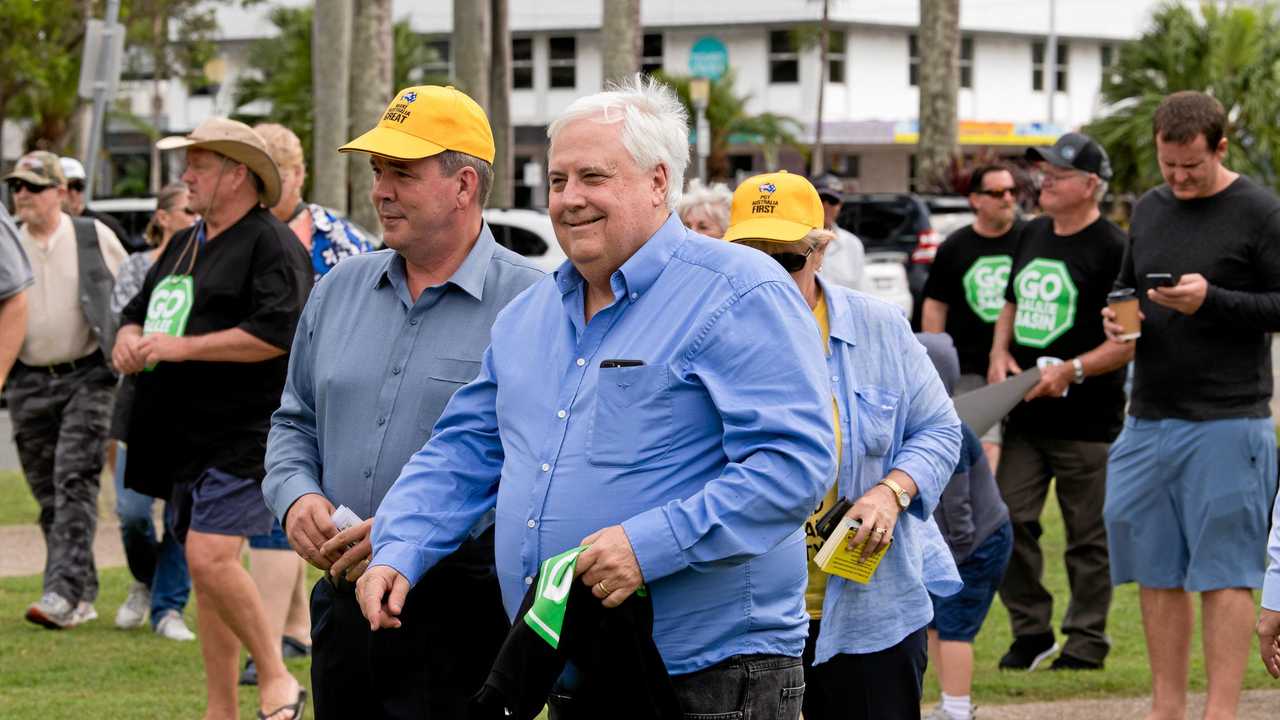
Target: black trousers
{"points": [[452, 627], [884, 685]]}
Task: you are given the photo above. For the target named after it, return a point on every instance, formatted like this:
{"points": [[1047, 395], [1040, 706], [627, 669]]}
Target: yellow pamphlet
{"points": [[836, 558]]}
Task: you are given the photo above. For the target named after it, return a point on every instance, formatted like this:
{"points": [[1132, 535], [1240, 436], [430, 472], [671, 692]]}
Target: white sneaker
{"points": [[84, 613], [134, 610], [171, 627], [52, 611]]}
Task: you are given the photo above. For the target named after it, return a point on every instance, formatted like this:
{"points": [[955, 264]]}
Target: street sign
{"points": [[709, 58], [92, 70]]}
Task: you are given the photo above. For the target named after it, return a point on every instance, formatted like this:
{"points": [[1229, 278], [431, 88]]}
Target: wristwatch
{"points": [[1079, 368], [904, 500]]}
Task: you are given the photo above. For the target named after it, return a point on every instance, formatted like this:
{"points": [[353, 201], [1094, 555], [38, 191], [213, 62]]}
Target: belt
{"points": [[93, 359]]}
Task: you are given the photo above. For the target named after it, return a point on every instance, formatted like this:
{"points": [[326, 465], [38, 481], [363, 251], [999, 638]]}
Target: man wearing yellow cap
{"points": [[661, 399], [897, 442], [385, 341], [207, 337]]}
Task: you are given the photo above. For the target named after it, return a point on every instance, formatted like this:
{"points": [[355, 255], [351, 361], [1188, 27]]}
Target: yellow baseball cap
{"points": [[775, 206], [427, 120]]}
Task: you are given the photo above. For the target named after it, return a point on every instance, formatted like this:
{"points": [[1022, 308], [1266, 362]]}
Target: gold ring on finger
{"points": [[603, 588]]}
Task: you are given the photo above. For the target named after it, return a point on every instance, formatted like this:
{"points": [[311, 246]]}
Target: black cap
{"points": [[1076, 152], [828, 186]]}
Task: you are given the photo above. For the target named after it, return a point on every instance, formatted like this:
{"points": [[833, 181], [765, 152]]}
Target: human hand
{"points": [[877, 511], [353, 546], [1186, 297], [1054, 380], [308, 525], [125, 356], [1269, 641], [609, 566], [381, 592], [159, 347], [1001, 366]]}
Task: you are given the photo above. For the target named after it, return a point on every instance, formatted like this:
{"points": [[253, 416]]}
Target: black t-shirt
{"points": [[1060, 285], [969, 274], [1216, 363], [190, 416]]}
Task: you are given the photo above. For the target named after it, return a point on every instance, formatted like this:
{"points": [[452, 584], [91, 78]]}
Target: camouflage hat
{"points": [[38, 168]]}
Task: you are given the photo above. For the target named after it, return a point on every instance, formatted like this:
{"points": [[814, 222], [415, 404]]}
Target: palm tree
{"points": [[731, 124], [1231, 53]]}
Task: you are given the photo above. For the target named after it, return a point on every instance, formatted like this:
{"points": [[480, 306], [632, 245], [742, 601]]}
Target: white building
{"points": [[870, 103]]}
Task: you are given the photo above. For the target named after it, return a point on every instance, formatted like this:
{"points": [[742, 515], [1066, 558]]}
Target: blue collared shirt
{"points": [[895, 414], [710, 455], [1271, 581], [371, 370]]}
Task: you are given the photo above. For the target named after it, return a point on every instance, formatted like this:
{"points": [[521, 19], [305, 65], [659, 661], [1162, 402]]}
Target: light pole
{"points": [[700, 94]]}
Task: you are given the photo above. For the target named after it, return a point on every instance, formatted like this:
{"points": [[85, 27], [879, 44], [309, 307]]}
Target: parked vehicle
{"points": [[133, 214], [527, 232]]}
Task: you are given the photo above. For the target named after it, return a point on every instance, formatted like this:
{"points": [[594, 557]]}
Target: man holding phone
{"points": [[1190, 477]]}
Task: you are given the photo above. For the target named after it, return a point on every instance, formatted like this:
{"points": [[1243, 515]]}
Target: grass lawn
{"points": [[17, 507], [97, 671]]}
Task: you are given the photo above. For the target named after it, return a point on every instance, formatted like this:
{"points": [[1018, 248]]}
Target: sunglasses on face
{"points": [[75, 185], [829, 200], [15, 185], [998, 193], [792, 262]]}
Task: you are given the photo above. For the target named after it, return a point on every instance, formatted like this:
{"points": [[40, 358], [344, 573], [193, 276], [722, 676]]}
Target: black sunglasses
{"points": [[76, 185], [16, 184], [998, 194], [792, 262]]}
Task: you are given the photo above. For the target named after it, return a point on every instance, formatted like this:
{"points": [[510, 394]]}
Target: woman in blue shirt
{"points": [[898, 441]]}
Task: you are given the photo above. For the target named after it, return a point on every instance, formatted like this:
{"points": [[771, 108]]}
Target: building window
{"points": [[521, 63], [845, 165], [564, 51], [966, 60], [1108, 60], [784, 60], [1038, 64], [651, 60], [835, 56], [438, 70]]}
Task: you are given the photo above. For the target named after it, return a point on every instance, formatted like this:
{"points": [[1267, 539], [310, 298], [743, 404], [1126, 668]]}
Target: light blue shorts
{"points": [[1188, 503]]}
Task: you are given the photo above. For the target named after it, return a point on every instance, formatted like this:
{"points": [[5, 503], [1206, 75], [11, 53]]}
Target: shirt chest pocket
{"points": [[444, 377], [631, 421], [877, 424]]}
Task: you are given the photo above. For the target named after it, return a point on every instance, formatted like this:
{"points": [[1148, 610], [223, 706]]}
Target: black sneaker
{"points": [[1071, 662], [1028, 651], [249, 676]]}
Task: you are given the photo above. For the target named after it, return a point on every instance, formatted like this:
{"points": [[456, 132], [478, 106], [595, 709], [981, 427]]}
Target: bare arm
{"points": [[13, 329], [1108, 356], [1002, 362], [231, 345], [933, 316]]}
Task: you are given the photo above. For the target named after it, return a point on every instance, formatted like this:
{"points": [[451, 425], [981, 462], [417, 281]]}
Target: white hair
{"points": [[715, 200], [655, 126]]}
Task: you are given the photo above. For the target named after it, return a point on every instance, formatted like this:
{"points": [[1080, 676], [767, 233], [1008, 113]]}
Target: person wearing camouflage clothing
{"points": [[61, 388]]}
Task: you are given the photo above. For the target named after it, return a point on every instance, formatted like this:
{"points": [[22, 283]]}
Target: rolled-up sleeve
{"points": [[293, 453], [931, 437], [775, 404], [446, 486]]}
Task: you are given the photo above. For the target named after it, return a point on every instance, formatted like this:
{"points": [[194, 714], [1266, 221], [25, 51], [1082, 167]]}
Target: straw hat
{"points": [[237, 141]]}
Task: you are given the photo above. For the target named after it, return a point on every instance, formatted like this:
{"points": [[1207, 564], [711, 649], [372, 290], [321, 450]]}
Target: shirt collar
{"points": [[839, 316], [469, 277], [642, 269]]}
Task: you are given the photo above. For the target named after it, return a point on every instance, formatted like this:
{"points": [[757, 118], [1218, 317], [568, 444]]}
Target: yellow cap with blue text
{"points": [[426, 120], [778, 206]]}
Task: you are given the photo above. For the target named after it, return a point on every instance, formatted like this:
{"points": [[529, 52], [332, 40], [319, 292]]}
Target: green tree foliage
{"points": [[1231, 53], [280, 71], [40, 53], [730, 123]]}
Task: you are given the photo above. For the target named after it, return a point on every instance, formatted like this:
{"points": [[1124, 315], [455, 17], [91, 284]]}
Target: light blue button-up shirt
{"points": [[371, 370], [710, 455], [1271, 582], [895, 414]]}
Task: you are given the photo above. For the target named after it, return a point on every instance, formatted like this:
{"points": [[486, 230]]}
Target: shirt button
{"points": [[395, 370], [368, 472], [382, 421], [562, 414], [533, 524], [581, 362], [635, 296], [545, 467], [528, 580], [413, 321], [835, 378]]}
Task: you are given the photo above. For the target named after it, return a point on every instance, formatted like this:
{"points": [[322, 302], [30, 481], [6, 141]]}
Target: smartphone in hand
{"points": [[1160, 280]]}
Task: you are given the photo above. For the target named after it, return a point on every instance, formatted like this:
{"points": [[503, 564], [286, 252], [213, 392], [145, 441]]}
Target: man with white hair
{"points": [[75, 206], [662, 400]]}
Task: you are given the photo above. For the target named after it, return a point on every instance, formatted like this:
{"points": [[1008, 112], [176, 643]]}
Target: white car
{"points": [[885, 276], [529, 233]]}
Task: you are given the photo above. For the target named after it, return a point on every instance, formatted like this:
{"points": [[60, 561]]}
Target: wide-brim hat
{"points": [[237, 141], [426, 120], [778, 207]]}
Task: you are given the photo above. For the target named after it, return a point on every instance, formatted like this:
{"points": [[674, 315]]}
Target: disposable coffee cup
{"points": [[1124, 303]]}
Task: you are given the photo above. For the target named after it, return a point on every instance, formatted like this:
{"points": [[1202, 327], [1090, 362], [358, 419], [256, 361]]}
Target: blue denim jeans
{"points": [[743, 687], [161, 565]]}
